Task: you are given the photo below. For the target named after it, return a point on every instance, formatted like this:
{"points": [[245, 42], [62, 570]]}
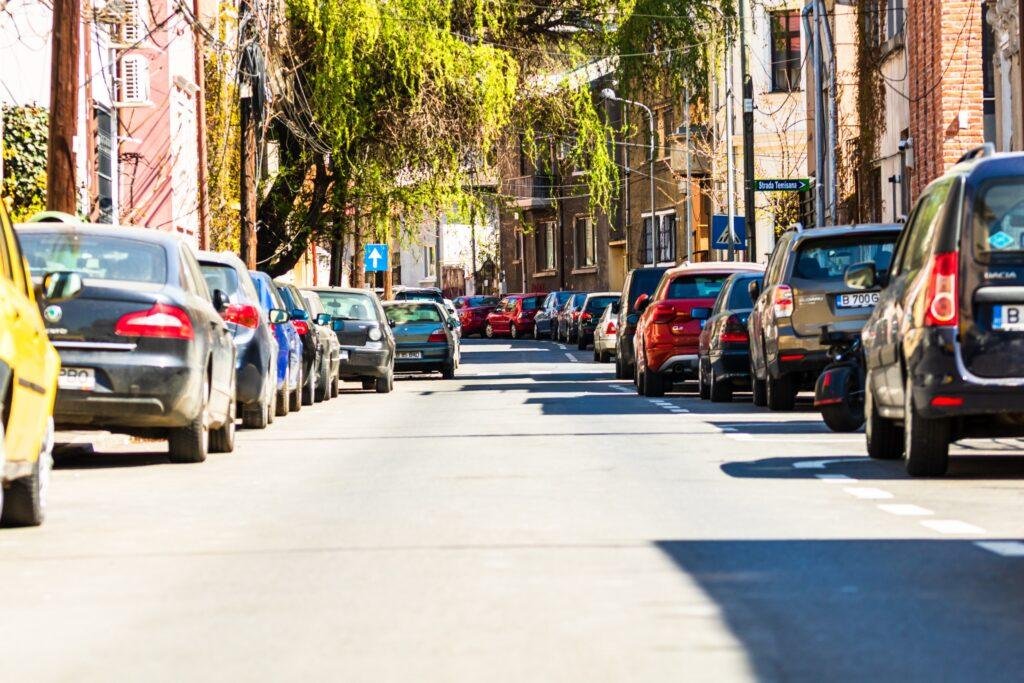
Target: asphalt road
{"points": [[532, 520]]}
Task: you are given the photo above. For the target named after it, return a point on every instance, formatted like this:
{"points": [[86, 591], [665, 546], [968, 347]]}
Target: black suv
{"points": [[639, 281], [945, 345], [802, 293]]}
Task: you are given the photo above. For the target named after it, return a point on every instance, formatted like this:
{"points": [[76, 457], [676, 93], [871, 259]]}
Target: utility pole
{"points": [[689, 177], [247, 88], [472, 242], [60, 155], [730, 156], [748, 136], [438, 245]]}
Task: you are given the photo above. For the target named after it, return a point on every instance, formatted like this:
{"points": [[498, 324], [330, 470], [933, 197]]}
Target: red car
{"points": [[667, 335], [473, 312], [514, 316]]}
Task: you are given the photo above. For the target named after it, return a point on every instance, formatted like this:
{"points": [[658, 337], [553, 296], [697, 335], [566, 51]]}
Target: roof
{"points": [[340, 290], [590, 294], [223, 257], [845, 230], [103, 229], [982, 168], [717, 267]]}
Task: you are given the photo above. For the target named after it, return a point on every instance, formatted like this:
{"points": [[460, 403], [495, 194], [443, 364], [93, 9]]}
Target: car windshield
{"points": [[419, 295], [999, 219], [222, 277], [826, 260], [739, 295], [347, 306], [101, 257], [475, 301], [401, 314], [705, 286], [599, 303]]}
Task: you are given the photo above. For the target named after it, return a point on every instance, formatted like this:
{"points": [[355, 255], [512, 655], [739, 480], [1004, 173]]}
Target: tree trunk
{"points": [[359, 266]]}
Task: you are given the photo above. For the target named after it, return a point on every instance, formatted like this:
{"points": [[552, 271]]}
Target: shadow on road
{"points": [[961, 466], [85, 457], [863, 610], [773, 427]]}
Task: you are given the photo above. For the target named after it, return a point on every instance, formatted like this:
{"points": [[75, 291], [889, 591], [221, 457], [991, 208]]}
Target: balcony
{"points": [[699, 150], [530, 192]]}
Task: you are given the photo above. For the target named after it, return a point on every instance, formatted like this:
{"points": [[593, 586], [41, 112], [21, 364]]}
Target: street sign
{"points": [[782, 185], [375, 257], [720, 237]]}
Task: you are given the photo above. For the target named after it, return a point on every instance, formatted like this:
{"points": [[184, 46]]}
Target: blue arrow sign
{"points": [[375, 258], [720, 237]]}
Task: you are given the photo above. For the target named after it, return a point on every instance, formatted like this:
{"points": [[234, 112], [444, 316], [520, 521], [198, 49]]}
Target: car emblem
{"points": [[53, 314]]}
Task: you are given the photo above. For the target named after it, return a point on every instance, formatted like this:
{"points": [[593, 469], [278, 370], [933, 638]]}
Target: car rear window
{"points": [[826, 260], [531, 303], [739, 295], [221, 277], [413, 313], [419, 295], [348, 306], [600, 303], [475, 301], [999, 218], [697, 286], [101, 257]]}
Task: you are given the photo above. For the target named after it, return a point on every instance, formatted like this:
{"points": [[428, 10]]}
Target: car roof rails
{"points": [[986, 150], [797, 227]]}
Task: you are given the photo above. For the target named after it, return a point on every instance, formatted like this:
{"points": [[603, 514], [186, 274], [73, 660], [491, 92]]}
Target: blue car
{"points": [[289, 360]]}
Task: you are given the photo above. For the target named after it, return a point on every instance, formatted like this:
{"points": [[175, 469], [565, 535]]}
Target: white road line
{"points": [[835, 478], [868, 493], [820, 464], [952, 526], [905, 510], [563, 347], [573, 358], [1004, 548]]}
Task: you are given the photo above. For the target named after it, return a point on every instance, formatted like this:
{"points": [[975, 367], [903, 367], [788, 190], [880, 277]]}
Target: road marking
{"points": [[905, 510], [868, 493], [573, 358], [1004, 548], [563, 347], [835, 478], [820, 464], [952, 526]]}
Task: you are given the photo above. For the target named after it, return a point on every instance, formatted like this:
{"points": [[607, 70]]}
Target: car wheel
{"points": [[191, 443], [781, 393], [323, 385], [598, 357], [581, 343], [620, 369], [282, 400], [448, 370], [309, 387], [925, 441], [848, 414], [24, 501], [652, 384], [335, 387], [385, 384], [489, 331], [256, 416], [759, 388], [295, 401], [222, 439], [513, 332], [702, 382], [719, 390]]}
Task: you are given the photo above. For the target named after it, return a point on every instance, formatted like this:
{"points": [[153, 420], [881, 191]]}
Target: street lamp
{"points": [[609, 94]]}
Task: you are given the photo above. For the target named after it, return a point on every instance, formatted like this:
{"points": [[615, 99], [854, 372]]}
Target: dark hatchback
{"points": [[724, 347], [945, 345], [424, 337], [151, 354], [567, 322], [313, 350], [367, 341], [639, 281], [546, 321], [591, 311], [289, 347]]}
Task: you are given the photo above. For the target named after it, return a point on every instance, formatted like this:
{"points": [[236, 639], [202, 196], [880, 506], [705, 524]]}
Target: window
{"points": [[895, 18], [544, 242], [96, 256], [697, 286], [105, 154], [648, 241], [666, 225], [585, 239], [826, 260], [429, 262], [517, 238], [999, 221], [786, 51]]}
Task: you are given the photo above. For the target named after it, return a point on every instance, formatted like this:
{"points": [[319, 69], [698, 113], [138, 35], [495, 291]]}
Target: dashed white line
{"points": [[572, 358], [1004, 548], [563, 347], [905, 510], [951, 526], [868, 493], [835, 478]]}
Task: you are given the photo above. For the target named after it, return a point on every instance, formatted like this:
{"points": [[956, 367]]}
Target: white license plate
{"points": [[857, 300], [77, 379], [410, 355], [344, 355], [1008, 318]]}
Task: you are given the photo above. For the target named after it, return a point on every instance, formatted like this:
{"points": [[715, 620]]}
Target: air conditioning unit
{"points": [[133, 86], [129, 31]]}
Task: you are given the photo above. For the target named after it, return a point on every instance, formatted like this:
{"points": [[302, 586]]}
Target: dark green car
{"points": [[425, 339]]}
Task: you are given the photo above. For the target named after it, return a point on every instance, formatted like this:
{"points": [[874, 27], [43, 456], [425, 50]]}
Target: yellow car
{"points": [[29, 366]]}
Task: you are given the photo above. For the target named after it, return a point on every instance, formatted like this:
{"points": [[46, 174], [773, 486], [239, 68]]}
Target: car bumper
{"points": [[362, 362], [797, 355], [431, 356], [731, 364]]}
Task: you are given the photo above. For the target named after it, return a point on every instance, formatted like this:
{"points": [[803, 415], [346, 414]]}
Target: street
{"points": [[534, 519]]}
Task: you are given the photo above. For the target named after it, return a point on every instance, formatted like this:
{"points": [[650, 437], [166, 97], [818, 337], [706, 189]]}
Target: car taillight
{"points": [[301, 326], [437, 336], [586, 316], [734, 332], [242, 314], [161, 321], [942, 305], [662, 313], [783, 301], [575, 315], [612, 328]]}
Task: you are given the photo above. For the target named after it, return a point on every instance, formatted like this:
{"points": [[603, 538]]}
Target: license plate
{"points": [[857, 300], [344, 355], [1008, 318], [77, 379], [410, 355]]}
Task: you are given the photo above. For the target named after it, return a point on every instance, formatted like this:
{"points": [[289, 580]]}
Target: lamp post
{"points": [[609, 94]]}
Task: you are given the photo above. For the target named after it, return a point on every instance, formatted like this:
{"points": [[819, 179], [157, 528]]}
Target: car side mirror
{"points": [[391, 323], [642, 302], [299, 314], [61, 286], [220, 300], [323, 319], [277, 316], [451, 325], [861, 276], [754, 289]]}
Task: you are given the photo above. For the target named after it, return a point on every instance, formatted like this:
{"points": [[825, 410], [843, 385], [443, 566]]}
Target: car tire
{"points": [[884, 437], [256, 416], [581, 343], [652, 384], [598, 357], [489, 331], [620, 369], [24, 501], [925, 441], [295, 400], [781, 393], [222, 439], [448, 370], [323, 385], [847, 415], [282, 398], [335, 387], [719, 390], [309, 387], [191, 443], [385, 384], [512, 331]]}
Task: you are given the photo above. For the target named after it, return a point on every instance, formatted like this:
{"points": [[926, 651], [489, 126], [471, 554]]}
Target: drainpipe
{"points": [[833, 120], [200, 79], [689, 179], [819, 106]]}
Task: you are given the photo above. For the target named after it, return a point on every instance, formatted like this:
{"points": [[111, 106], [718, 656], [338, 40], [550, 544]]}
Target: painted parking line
{"points": [[868, 493], [563, 347], [835, 478], [905, 510], [951, 526], [1003, 548], [572, 358]]}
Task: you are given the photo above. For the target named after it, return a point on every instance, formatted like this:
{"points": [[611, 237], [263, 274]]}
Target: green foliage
{"points": [[25, 135], [222, 135]]}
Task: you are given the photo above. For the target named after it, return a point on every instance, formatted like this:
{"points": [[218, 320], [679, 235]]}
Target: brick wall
{"points": [[944, 44]]}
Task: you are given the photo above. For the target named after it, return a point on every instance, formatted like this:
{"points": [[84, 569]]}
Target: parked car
{"points": [[143, 347], [545, 323], [367, 340], [255, 346], [289, 346], [330, 347], [638, 282], [473, 312], [667, 335], [29, 374], [803, 292], [312, 340], [424, 337], [723, 363], [592, 309], [453, 315], [513, 316], [569, 317], [419, 294], [943, 345], [604, 333]]}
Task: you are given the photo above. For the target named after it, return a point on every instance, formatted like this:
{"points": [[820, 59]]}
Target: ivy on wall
{"points": [[25, 135]]}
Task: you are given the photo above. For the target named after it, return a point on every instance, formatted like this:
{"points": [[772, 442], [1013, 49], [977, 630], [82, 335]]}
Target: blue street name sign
{"points": [[720, 232], [375, 257]]}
